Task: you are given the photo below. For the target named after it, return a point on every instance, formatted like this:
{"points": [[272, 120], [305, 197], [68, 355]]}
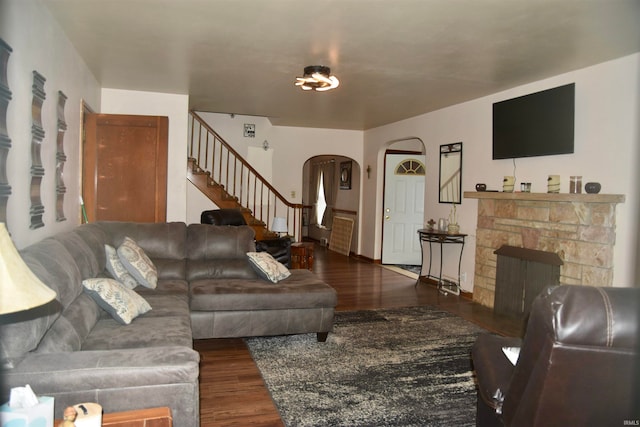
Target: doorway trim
{"points": [[384, 150]]}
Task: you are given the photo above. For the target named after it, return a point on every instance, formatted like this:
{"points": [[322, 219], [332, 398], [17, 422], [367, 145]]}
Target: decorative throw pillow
{"points": [[138, 263], [267, 267], [121, 303], [117, 270]]}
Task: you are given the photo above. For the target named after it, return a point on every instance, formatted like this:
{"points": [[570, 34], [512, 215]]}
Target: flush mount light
{"points": [[318, 78]]}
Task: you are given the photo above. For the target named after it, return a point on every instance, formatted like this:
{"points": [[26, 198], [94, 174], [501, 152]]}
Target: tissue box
{"points": [[40, 415]]}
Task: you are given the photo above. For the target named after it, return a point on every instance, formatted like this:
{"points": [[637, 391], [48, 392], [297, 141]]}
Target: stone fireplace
{"points": [[579, 228]]}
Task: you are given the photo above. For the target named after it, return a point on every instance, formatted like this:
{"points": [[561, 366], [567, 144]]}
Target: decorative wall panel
{"points": [[61, 158], [5, 141], [37, 136]]}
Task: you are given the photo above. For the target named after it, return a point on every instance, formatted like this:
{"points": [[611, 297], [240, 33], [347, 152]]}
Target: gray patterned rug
{"points": [[394, 367]]}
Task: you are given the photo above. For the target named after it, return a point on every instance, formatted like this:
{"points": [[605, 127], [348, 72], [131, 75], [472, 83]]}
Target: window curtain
{"points": [[314, 186], [327, 169], [330, 191]]}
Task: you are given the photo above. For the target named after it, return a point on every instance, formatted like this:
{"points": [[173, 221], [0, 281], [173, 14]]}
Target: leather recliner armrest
{"points": [[493, 369], [280, 249]]}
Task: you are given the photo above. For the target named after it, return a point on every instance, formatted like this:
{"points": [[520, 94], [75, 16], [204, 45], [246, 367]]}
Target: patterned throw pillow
{"points": [[267, 267], [121, 303], [138, 263], [117, 270]]}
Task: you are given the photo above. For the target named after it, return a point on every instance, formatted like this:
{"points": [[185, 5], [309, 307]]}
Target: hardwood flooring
{"points": [[232, 392]]}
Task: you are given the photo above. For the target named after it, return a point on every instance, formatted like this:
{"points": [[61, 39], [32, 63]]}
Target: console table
{"points": [[442, 238]]}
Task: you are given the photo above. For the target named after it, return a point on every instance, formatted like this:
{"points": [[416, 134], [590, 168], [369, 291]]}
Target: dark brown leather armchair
{"points": [[222, 217], [279, 248], [577, 366]]}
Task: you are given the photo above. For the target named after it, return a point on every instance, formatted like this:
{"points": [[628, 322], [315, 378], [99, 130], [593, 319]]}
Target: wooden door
{"points": [[125, 168]]}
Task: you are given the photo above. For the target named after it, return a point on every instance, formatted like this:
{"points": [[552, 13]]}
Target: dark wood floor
{"points": [[232, 392]]}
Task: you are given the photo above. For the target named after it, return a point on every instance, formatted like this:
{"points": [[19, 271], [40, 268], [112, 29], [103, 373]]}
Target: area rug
{"points": [[392, 367]]}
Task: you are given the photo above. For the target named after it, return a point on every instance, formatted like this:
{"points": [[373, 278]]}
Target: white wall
{"points": [[606, 150], [39, 44], [196, 203], [176, 107]]}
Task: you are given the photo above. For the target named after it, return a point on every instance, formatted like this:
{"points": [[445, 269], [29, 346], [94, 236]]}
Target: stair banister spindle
{"points": [[235, 165], [262, 203], [193, 120], [227, 167], [255, 190], [241, 182], [206, 150], [220, 165], [199, 144]]}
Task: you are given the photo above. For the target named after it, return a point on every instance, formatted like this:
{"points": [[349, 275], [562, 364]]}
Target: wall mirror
{"points": [[451, 173]]}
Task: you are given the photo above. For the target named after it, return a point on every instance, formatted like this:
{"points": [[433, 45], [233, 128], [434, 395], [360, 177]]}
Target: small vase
{"points": [[453, 228]]}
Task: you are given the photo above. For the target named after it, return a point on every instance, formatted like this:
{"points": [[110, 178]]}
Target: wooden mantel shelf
{"points": [[547, 197]]}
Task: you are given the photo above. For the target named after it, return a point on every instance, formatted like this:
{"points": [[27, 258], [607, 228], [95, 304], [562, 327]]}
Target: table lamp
{"points": [[279, 225], [20, 288]]}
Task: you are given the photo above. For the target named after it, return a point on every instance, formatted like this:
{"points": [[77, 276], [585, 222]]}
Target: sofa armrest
{"points": [[118, 380]]}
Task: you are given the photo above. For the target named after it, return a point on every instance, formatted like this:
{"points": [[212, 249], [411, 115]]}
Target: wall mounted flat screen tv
{"points": [[538, 124]]}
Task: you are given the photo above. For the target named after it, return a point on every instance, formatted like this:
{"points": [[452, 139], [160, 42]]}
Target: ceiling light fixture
{"points": [[318, 78]]}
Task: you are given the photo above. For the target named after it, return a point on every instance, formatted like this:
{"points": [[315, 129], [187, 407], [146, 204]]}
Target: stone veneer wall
{"points": [[580, 228]]}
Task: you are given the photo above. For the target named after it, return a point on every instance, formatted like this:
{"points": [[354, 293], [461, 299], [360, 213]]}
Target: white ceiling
{"points": [[395, 58]]}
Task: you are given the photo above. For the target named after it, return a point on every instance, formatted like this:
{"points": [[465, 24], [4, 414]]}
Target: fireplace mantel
{"points": [[546, 197], [579, 228]]}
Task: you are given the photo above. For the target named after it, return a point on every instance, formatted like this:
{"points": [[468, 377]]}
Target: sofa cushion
{"points": [[137, 263], [116, 269], [82, 253], [267, 267], [302, 289], [121, 303], [54, 265], [145, 331], [163, 243], [71, 329], [219, 252]]}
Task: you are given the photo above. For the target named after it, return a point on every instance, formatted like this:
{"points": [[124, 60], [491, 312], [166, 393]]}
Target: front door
{"points": [[125, 168], [403, 208]]}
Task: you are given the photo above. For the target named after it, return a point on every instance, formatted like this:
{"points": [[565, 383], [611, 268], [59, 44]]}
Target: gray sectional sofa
{"points": [[74, 350]]}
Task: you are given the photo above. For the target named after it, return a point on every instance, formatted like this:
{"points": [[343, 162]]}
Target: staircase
{"points": [[229, 181]]}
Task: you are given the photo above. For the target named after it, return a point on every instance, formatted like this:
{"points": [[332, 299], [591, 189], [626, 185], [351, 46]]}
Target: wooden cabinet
{"points": [[302, 255]]}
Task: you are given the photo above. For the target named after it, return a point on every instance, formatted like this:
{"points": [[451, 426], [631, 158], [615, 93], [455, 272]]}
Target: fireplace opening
{"points": [[520, 276]]}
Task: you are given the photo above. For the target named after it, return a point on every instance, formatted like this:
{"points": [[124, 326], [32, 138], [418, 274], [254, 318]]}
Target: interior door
{"points": [[125, 168], [403, 208]]}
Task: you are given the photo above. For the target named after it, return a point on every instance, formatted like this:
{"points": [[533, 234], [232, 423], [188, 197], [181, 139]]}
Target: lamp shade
{"points": [[20, 288], [279, 225]]}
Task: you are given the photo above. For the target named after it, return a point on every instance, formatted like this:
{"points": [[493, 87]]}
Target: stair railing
{"points": [[211, 154]]}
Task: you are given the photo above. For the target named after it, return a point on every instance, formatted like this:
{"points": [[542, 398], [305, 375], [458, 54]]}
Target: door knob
{"points": [[387, 217]]}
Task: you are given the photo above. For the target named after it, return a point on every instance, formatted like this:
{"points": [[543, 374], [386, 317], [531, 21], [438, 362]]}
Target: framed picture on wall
{"points": [[345, 175]]}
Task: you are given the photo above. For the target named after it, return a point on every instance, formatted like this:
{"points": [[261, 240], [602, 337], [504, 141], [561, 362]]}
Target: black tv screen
{"points": [[538, 124]]}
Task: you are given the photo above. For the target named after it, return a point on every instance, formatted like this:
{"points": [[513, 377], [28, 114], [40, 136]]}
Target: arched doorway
{"points": [[341, 179]]}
